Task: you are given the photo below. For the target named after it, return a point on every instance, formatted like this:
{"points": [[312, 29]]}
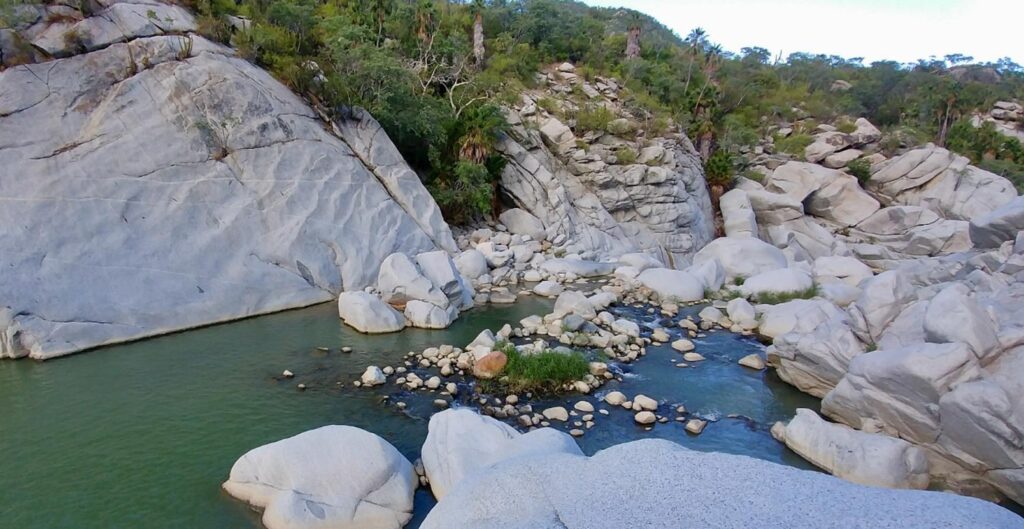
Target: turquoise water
{"points": [[142, 435]]}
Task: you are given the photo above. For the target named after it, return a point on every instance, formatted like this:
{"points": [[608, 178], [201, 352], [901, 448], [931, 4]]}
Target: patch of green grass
{"points": [[625, 155], [544, 372], [846, 126], [861, 168], [550, 105], [593, 118], [794, 144], [774, 298]]}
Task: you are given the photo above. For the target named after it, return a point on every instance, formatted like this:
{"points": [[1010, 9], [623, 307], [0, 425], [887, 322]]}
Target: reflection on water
{"points": [[141, 435]]}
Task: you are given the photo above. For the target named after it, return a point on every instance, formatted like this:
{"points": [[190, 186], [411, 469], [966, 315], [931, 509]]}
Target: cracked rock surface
{"points": [[158, 183]]}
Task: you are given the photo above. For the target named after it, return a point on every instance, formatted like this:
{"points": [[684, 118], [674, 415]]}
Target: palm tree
{"points": [[696, 40], [712, 60], [481, 126], [478, 31], [425, 19], [633, 37]]}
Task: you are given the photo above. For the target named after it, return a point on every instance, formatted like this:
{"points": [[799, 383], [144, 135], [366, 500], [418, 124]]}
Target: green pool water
{"points": [[142, 435]]}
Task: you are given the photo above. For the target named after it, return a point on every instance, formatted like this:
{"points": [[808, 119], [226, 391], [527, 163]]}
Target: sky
{"points": [[900, 30]]}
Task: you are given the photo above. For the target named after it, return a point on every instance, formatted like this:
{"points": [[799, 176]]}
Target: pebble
{"points": [[441, 403], [693, 357], [644, 403], [683, 345], [301, 386], [576, 432], [346, 349], [287, 374], [322, 348], [615, 398]]}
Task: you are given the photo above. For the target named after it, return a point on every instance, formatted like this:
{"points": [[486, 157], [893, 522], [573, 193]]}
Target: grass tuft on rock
{"points": [[544, 372], [774, 298]]}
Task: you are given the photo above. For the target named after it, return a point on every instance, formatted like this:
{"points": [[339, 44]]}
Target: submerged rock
{"points": [[334, 476], [544, 492]]}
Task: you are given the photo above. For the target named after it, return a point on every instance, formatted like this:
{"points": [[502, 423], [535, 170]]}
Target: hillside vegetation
{"points": [[436, 72]]}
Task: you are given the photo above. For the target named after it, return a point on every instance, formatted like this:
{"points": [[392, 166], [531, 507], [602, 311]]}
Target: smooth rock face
{"points": [[265, 209], [366, 313], [937, 179], [737, 214], [546, 492], [742, 257], [335, 476], [400, 281], [461, 443], [868, 459]]}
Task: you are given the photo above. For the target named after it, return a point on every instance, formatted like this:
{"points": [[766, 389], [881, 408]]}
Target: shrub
{"points": [[861, 168], [718, 169], [625, 155], [846, 126], [794, 144], [593, 118], [774, 298], [548, 104], [544, 372]]}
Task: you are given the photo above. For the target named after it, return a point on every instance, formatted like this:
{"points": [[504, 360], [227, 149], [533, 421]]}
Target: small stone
{"points": [[683, 345], [753, 361], [512, 399], [645, 403], [301, 387], [615, 398], [346, 349], [557, 413], [584, 406], [695, 426], [441, 403], [645, 417], [693, 357], [433, 383], [373, 376], [576, 432], [287, 374]]}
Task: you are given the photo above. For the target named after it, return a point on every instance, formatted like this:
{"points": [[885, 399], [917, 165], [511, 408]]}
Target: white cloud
{"points": [[904, 30]]}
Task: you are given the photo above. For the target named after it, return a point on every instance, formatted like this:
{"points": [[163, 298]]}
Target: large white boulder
{"points": [[868, 459], [573, 302], [366, 313], [164, 194], [989, 230], [663, 485], [813, 344], [440, 269], [400, 281], [783, 280], [825, 145], [672, 285], [742, 256], [898, 390], [953, 315], [882, 299], [426, 315], [335, 476], [738, 215], [471, 264], [461, 443], [841, 201], [710, 273], [847, 269], [522, 222]]}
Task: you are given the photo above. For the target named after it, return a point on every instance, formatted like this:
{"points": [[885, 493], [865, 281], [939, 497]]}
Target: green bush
{"points": [[846, 126], [593, 118], [718, 169], [544, 372], [774, 298], [625, 155], [860, 168], [794, 144]]}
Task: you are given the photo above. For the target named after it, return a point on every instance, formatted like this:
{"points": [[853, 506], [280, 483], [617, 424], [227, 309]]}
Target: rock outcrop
{"points": [[661, 483], [608, 191], [334, 476], [155, 182]]}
